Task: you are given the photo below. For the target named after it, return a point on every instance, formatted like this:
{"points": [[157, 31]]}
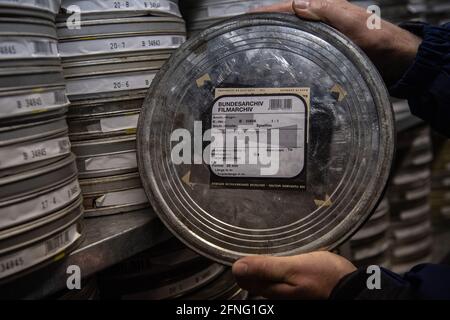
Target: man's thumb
{"points": [[310, 9]]}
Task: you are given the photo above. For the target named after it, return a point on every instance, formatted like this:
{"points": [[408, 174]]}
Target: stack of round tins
{"points": [[169, 271], [109, 63], [40, 197], [409, 196], [440, 195], [265, 76], [371, 244], [200, 14]]}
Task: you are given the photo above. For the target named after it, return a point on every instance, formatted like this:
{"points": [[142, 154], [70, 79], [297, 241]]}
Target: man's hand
{"points": [[306, 276], [391, 48]]}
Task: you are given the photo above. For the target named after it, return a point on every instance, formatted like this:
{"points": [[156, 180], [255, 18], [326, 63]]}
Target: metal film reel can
{"points": [[250, 75]]}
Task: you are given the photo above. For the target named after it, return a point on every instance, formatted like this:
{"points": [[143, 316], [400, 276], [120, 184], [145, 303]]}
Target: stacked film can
{"points": [[371, 244], [40, 197], [409, 196], [110, 59], [169, 271], [200, 14]]}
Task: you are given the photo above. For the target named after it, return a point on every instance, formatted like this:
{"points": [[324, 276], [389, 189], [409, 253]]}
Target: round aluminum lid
{"points": [[343, 141]]}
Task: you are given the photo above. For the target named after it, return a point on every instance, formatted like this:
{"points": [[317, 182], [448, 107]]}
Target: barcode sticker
{"points": [[123, 44], [17, 155], [16, 262], [280, 104], [32, 103], [26, 48]]}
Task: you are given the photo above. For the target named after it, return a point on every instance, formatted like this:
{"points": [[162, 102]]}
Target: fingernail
{"points": [[240, 269], [301, 4]]}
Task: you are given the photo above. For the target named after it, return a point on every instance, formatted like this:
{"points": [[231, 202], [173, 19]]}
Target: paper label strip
{"points": [[126, 197], [124, 44], [100, 6], [29, 257], [15, 48], [50, 5], [115, 161], [119, 123], [110, 83], [32, 103], [40, 206], [13, 156]]}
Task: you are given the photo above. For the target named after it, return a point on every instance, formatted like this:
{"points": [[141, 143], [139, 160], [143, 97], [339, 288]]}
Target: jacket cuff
{"points": [[428, 62]]}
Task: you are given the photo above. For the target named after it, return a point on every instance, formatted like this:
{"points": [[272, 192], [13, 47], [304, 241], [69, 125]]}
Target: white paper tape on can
{"points": [[27, 47], [13, 156], [415, 212], [417, 193], [110, 83], [406, 233], [47, 5], [113, 161], [119, 123], [39, 206], [114, 45], [125, 197], [100, 6], [34, 102], [411, 177], [412, 249], [16, 262]]}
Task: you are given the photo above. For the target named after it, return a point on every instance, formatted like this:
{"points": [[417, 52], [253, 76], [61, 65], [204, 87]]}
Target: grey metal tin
{"points": [[92, 153], [46, 9], [31, 182], [112, 183], [228, 224], [108, 28], [94, 128], [20, 78], [27, 27], [32, 131], [114, 65], [44, 111], [105, 107], [100, 11]]}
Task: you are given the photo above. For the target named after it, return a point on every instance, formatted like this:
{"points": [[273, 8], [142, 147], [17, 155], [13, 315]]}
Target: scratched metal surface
{"points": [[349, 154]]}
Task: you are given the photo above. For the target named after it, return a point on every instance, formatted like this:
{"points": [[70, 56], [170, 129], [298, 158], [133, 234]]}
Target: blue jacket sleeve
{"points": [[426, 84], [425, 282]]}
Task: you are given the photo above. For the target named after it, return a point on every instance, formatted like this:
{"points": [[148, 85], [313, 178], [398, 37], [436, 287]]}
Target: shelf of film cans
{"points": [[108, 240], [403, 117]]}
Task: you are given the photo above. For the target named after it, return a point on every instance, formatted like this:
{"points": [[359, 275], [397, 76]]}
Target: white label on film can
{"points": [[219, 11], [249, 117], [40, 4], [18, 155], [417, 194], [16, 262], [98, 6], [119, 123], [125, 160], [39, 206], [125, 197], [32, 103], [110, 83], [124, 44], [16, 48], [415, 212]]}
